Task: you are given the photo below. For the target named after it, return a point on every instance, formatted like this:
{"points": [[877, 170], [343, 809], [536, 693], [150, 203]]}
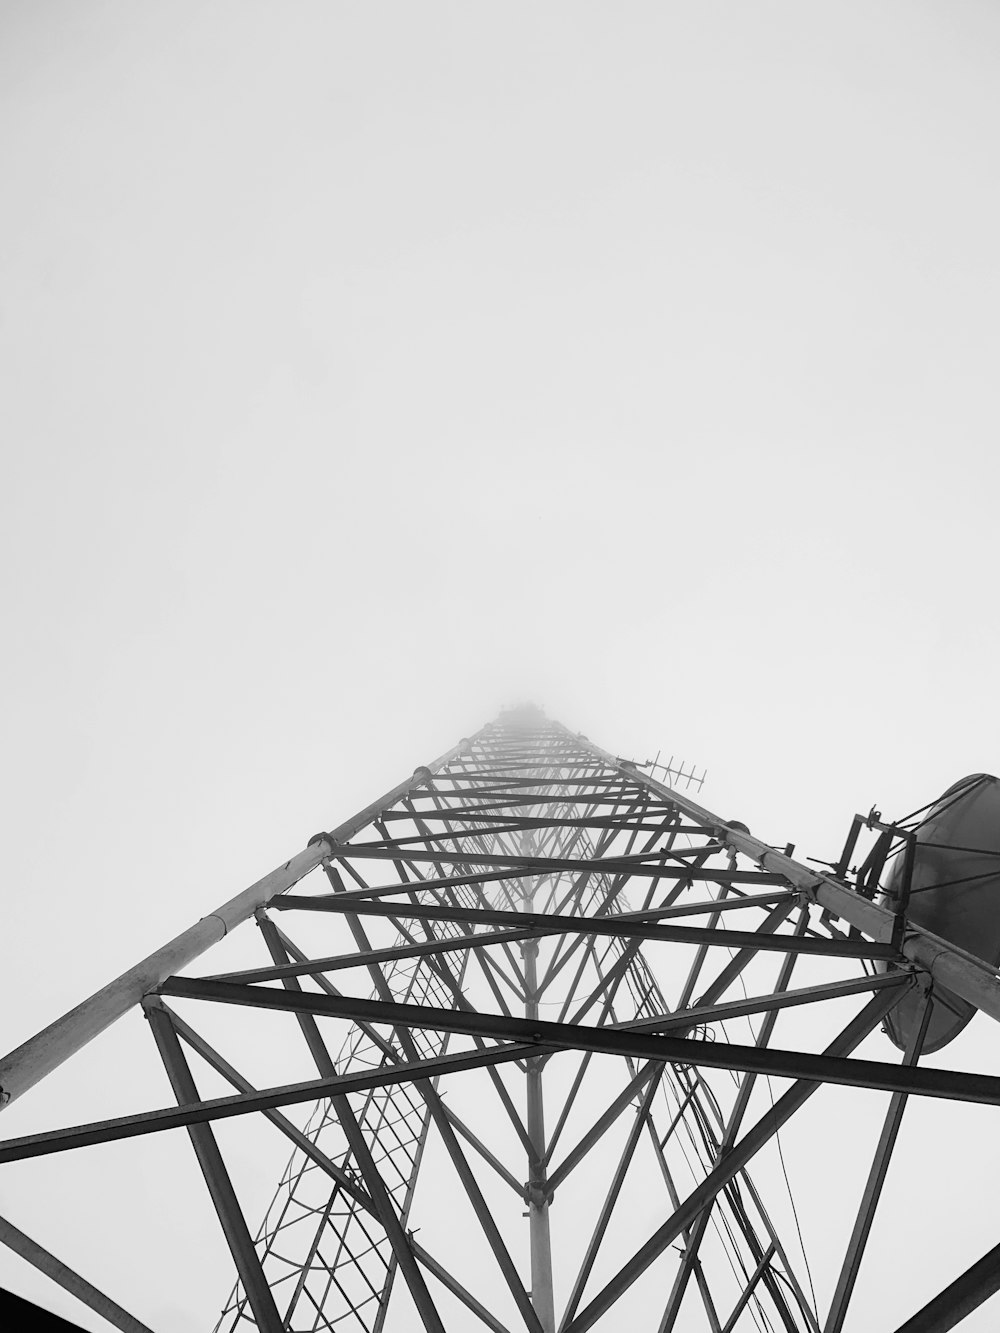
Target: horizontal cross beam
{"points": [[452, 943], [622, 822], [638, 925], [366, 957], [926, 1082], [222, 1108], [543, 865]]}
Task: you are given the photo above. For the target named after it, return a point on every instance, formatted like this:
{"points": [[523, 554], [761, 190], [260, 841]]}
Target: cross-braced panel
{"points": [[534, 984]]}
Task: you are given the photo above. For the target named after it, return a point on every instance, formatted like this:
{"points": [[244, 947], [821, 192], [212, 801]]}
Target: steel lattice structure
{"points": [[549, 952]]}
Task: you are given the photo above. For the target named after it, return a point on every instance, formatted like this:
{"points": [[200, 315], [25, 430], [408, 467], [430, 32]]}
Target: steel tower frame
{"points": [[541, 897]]}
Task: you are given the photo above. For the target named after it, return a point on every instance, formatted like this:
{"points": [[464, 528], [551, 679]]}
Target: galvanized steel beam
{"points": [[47, 1050], [955, 1084], [967, 976]]}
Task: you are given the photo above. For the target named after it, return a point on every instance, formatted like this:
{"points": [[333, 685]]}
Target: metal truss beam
{"points": [[733, 1161], [875, 1074], [635, 926], [949, 966], [384, 1207], [367, 957], [70, 1281], [611, 1198], [635, 866], [216, 1176], [743, 1301], [873, 1186], [291, 1132], [449, 1281], [603, 1122], [516, 839], [694, 1239], [702, 1014], [967, 1293], [23, 1067], [198, 1112]]}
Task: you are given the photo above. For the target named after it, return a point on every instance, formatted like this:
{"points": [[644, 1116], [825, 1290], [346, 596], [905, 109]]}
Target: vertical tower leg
{"points": [[542, 1295]]}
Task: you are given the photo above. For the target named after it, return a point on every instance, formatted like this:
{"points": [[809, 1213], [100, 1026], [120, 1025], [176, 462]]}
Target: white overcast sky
{"points": [[366, 367]]}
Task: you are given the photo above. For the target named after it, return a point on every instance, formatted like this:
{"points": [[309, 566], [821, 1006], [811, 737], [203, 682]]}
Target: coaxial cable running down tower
{"points": [[538, 996]]}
